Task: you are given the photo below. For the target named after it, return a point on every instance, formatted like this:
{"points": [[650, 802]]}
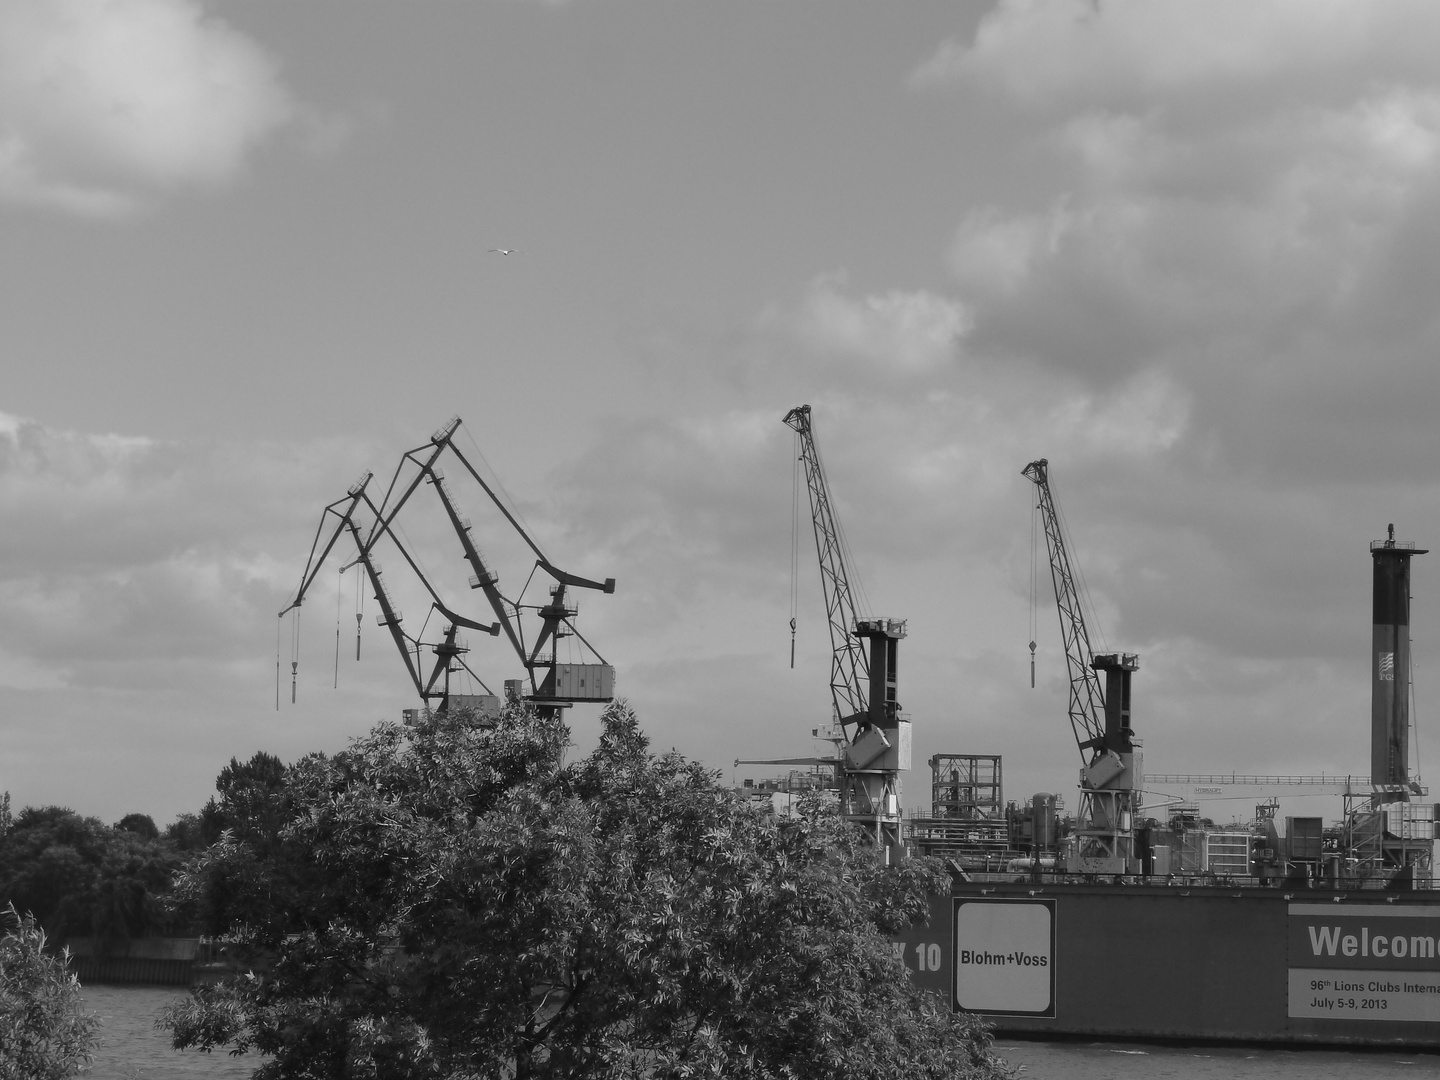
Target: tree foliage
{"points": [[455, 901], [43, 1033], [81, 878], [142, 825], [251, 801]]}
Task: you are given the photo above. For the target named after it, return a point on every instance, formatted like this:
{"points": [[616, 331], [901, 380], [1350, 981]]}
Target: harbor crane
{"points": [[1110, 774], [874, 747], [551, 684]]}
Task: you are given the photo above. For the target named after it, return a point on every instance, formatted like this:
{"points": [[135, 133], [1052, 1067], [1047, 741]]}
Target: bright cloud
{"points": [[996, 253], [105, 102], [118, 544], [903, 331], [1139, 53]]}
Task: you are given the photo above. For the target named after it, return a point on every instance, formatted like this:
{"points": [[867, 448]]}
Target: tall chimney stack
{"points": [[1390, 669]]}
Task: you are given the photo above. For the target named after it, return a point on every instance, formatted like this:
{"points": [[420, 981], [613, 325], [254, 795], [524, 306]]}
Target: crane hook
{"points": [[294, 668], [792, 644], [1032, 665], [358, 617]]}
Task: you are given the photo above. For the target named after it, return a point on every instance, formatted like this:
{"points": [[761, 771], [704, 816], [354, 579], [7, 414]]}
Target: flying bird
{"points": [[505, 251]]}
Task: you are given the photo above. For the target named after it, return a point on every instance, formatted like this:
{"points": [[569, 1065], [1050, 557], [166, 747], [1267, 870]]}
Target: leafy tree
{"points": [[43, 1033], [474, 907], [184, 833], [251, 799], [80, 878], [50, 866], [126, 901], [142, 825]]}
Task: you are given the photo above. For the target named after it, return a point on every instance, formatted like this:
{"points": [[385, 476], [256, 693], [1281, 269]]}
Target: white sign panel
{"points": [[1005, 956], [1365, 961], [1365, 995]]}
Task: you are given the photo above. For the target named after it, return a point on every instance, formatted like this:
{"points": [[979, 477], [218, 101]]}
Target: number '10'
{"points": [[927, 957]]}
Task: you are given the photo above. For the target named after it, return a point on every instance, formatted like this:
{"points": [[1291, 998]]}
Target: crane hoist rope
{"points": [[339, 597], [794, 546]]}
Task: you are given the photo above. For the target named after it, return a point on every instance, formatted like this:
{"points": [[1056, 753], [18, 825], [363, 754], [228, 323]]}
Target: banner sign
{"points": [[1004, 956], [1371, 962]]}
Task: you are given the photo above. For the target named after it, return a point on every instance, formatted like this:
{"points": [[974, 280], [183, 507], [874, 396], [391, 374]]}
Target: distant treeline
{"points": [[80, 877]]}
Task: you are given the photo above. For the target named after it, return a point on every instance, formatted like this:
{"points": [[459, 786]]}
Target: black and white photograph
{"points": [[746, 538]]}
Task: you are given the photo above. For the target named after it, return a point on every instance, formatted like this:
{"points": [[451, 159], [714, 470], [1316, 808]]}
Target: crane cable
{"points": [[1089, 616], [294, 651], [339, 591], [794, 543], [359, 609], [1034, 569], [510, 504], [1414, 722]]}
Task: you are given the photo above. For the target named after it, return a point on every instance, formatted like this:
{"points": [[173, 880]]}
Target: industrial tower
{"points": [[1390, 670]]}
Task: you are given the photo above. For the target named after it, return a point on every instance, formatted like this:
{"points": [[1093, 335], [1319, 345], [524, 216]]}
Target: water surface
{"points": [[1133, 1061], [132, 1048]]}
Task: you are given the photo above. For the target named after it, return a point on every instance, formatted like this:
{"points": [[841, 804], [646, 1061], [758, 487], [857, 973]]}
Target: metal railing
{"points": [[1235, 779]]}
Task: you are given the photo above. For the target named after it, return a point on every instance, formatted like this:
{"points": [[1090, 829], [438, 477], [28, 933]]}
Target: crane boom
{"points": [[849, 669], [1099, 718], [876, 736], [1087, 699]]}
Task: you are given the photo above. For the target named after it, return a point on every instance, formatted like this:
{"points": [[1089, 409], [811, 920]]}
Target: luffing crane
{"points": [[552, 684], [876, 737], [1100, 718]]}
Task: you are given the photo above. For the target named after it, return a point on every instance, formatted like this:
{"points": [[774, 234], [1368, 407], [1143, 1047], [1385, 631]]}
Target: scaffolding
{"points": [[966, 787]]}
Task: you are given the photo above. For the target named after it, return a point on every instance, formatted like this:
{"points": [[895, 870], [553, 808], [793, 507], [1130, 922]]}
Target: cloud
{"points": [[894, 331], [1240, 196], [105, 104], [994, 253], [1126, 54], [133, 553]]}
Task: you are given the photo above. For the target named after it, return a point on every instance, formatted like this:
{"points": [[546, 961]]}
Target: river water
{"points": [[1130, 1061], [133, 1049]]}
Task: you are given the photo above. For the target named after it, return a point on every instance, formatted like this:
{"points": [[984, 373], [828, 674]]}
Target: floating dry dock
{"points": [[1247, 963]]}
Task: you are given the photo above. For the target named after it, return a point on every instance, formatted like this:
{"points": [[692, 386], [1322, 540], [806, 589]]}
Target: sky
{"points": [[1186, 252]]}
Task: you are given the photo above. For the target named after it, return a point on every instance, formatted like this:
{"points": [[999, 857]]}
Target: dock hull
{"points": [[1192, 963]]}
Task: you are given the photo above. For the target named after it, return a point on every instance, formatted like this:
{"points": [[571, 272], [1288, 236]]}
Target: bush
{"points": [[43, 1033]]}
